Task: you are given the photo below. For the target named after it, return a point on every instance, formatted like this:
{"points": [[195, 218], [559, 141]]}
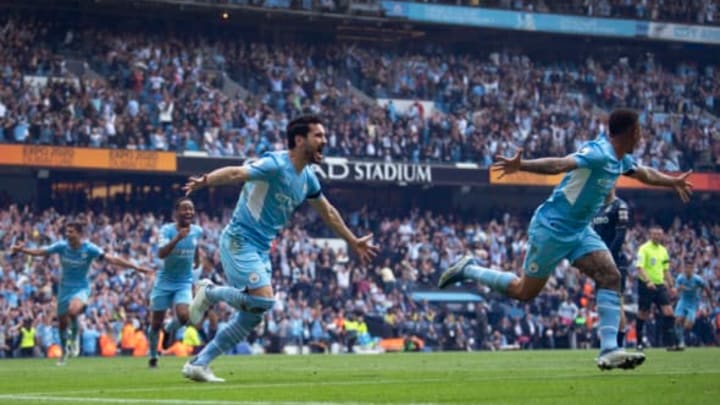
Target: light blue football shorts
{"points": [[165, 296], [245, 265], [686, 310], [547, 247], [68, 293]]}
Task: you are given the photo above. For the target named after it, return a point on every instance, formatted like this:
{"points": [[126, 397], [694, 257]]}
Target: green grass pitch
{"points": [[530, 377]]}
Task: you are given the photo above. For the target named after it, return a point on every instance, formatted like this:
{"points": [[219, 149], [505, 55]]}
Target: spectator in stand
{"points": [[165, 92]]}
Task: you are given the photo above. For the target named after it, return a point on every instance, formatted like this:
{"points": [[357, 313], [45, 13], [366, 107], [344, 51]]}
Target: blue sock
{"points": [[680, 333], [233, 296], [608, 304], [497, 280], [235, 332], [153, 342]]}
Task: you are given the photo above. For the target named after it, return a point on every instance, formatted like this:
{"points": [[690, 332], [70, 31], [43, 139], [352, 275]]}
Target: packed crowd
{"points": [[170, 92], [548, 109], [320, 291]]}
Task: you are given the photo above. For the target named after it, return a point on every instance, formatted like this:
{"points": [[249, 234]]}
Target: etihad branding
{"points": [[342, 169]]}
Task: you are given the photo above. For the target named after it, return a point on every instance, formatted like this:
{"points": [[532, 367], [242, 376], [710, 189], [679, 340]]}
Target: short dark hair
{"points": [[622, 120], [76, 225], [300, 126], [180, 201]]}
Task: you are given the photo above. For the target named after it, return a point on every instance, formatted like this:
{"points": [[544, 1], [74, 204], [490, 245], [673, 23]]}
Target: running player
{"points": [[275, 186], [173, 287], [76, 255], [561, 227], [611, 224], [688, 285]]}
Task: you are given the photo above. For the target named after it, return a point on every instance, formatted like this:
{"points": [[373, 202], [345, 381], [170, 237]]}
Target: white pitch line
{"points": [[180, 401], [192, 386], [177, 401], [21, 397]]}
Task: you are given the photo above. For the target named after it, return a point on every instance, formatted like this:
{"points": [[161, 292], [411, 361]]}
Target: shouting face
{"points": [[312, 145]]}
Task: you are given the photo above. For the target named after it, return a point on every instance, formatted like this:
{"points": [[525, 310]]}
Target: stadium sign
{"points": [[344, 170], [340, 169], [87, 158]]}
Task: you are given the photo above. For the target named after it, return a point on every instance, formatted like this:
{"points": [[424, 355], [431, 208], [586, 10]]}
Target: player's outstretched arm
{"points": [[652, 177], [550, 165], [20, 248], [362, 246], [119, 261], [218, 177]]}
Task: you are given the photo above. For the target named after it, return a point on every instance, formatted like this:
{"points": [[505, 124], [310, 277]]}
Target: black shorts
{"points": [[646, 296]]}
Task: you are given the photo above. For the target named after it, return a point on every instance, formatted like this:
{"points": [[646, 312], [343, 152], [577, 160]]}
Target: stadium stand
{"points": [[160, 92]]}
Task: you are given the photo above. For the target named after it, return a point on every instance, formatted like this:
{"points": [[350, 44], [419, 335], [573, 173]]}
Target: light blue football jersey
{"points": [[273, 191], [692, 287], [177, 266], [75, 262], [579, 196]]}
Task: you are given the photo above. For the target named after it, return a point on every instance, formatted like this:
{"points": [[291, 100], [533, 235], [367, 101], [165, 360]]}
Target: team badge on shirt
{"points": [[533, 268]]}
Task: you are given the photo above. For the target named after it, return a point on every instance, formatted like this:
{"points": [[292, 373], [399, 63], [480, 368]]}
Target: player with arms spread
{"points": [[76, 255], [560, 227], [275, 186], [173, 287]]}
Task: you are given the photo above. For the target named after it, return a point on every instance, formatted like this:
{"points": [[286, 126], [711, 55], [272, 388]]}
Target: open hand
{"points": [[365, 249], [506, 165], [194, 184], [683, 187]]}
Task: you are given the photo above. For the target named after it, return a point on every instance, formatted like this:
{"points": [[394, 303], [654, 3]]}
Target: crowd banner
{"points": [[332, 170], [545, 22], [87, 158], [513, 20], [684, 33]]}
